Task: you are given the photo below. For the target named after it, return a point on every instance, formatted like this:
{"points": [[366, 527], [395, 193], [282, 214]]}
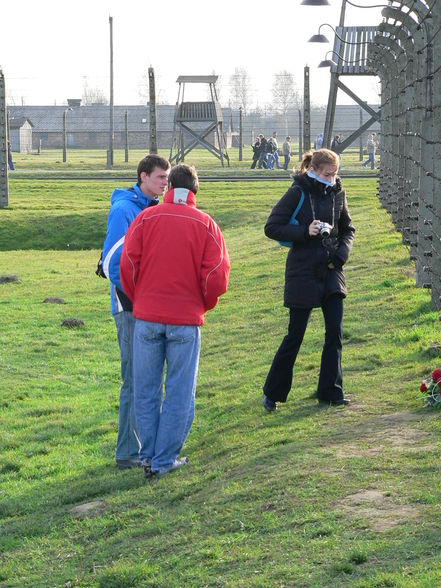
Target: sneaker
{"points": [[178, 463], [124, 464], [269, 404]]}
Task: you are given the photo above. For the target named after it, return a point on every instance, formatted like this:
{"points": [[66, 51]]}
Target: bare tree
{"points": [[93, 95], [240, 89], [286, 95]]}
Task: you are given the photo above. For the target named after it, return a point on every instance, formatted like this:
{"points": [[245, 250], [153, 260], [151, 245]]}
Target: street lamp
{"points": [[319, 38], [65, 134], [315, 3], [330, 62]]}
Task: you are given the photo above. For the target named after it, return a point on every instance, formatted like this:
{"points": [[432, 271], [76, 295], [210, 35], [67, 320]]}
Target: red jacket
{"points": [[174, 264]]}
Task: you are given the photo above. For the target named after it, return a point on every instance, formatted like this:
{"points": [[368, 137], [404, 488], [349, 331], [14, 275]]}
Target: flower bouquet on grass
{"points": [[431, 388]]}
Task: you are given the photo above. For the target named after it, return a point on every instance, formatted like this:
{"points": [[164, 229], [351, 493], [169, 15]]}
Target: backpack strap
{"points": [[299, 206], [293, 220]]}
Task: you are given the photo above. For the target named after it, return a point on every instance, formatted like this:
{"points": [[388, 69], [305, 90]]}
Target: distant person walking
{"points": [[270, 150], [319, 141], [10, 161], [275, 150], [126, 204], [337, 139], [174, 267], [371, 147], [286, 150], [262, 153], [256, 152]]}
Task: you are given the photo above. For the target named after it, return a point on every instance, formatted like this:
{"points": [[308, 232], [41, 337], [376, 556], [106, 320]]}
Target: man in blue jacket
{"points": [[126, 204]]}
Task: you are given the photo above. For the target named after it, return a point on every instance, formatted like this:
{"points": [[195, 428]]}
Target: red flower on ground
{"points": [[436, 375], [423, 387]]}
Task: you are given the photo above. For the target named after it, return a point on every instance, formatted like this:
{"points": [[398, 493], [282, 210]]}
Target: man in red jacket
{"points": [[174, 267]]}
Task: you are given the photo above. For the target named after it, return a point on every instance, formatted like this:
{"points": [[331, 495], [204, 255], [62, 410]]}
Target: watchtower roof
{"points": [[197, 79]]}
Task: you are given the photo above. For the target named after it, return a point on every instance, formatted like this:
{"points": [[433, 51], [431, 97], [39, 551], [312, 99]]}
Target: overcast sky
{"points": [[49, 47]]}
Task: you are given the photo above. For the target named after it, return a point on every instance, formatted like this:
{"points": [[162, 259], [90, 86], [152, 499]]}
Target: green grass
{"points": [[94, 160], [304, 497]]}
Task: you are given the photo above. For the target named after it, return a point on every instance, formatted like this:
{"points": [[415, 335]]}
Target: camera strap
{"points": [[326, 241], [332, 208]]}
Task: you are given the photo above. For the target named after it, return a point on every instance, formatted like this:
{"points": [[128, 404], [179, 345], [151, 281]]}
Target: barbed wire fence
{"points": [[406, 53]]}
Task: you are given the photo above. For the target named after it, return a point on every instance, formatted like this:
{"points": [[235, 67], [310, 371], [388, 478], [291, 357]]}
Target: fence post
{"points": [[306, 112], [152, 111], [240, 134], [4, 191], [126, 125]]}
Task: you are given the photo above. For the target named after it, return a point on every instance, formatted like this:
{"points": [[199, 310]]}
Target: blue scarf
{"points": [[314, 177]]}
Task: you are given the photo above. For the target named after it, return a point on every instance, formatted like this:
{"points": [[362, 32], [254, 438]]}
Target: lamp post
{"points": [[111, 107], [65, 133]]}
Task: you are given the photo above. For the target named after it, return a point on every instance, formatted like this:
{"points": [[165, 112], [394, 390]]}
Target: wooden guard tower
{"points": [[197, 120], [350, 55]]}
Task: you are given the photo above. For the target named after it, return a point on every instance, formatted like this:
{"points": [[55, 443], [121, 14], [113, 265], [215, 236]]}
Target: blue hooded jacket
{"points": [[126, 204]]}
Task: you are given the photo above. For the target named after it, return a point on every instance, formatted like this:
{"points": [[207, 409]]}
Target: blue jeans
{"points": [[371, 160], [262, 160], [163, 422], [276, 159], [287, 160], [127, 445]]}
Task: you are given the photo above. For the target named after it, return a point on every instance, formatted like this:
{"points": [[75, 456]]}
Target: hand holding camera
{"points": [[318, 227]]}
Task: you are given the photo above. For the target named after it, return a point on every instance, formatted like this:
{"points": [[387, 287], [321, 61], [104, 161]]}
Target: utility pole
{"points": [[300, 136], [4, 193], [361, 136], [66, 110], [306, 112], [111, 121], [152, 111], [126, 121], [240, 134]]}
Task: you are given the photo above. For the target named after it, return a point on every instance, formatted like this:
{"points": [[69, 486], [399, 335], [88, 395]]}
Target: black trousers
{"points": [[279, 380]]}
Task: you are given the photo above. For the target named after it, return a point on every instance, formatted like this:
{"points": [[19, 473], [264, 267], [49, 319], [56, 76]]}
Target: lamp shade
{"points": [[327, 63], [318, 39], [314, 3]]}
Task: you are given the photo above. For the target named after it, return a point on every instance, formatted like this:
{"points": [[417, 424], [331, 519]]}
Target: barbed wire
{"points": [[410, 175]]}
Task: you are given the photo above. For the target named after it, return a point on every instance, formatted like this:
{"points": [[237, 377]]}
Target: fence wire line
{"points": [[410, 170]]}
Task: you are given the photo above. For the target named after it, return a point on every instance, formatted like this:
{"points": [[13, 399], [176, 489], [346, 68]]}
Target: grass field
{"points": [[94, 160], [304, 497]]}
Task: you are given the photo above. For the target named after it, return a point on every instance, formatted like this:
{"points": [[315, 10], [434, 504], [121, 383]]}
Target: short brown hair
{"points": [[318, 158], [148, 164], [184, 176]]}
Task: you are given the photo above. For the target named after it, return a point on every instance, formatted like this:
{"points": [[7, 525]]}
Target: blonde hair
{"points": [[318, 158]]}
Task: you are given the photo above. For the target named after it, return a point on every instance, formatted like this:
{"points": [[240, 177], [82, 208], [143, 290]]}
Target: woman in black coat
{"points": [[256, 152], [321, 242]]}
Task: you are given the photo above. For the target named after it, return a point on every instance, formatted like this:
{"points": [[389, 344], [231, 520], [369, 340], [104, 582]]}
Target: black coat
{"points": [[263, 143], [256, 150], [308, 279]]}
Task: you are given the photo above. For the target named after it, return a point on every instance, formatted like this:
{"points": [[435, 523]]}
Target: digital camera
{"points": [[325, 229]]}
